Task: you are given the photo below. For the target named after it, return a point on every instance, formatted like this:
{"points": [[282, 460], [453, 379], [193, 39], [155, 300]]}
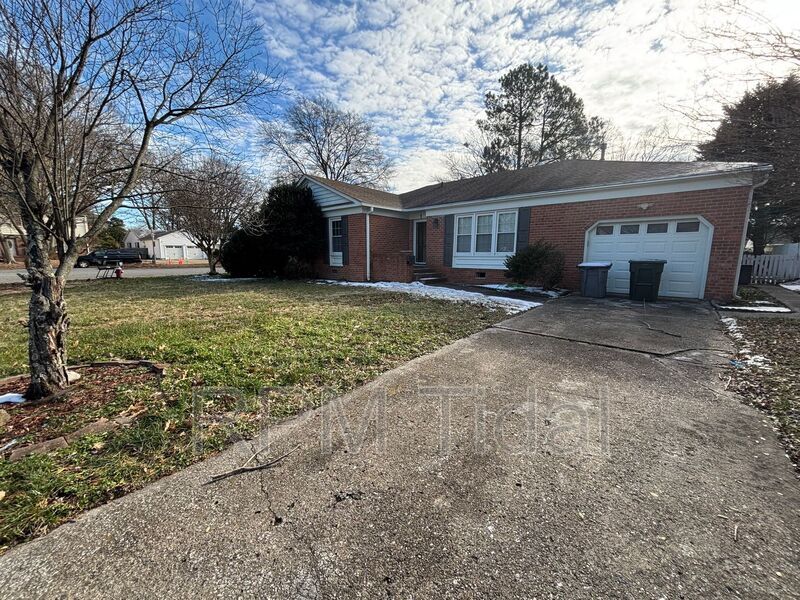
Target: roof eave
{"points": [[626, 185]]}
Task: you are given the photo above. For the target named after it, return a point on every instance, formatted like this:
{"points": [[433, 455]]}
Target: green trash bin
{"points": [[645, 279]]}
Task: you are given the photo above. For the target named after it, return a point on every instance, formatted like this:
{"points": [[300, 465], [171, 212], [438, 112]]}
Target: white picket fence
{"points": [[773, 268]]}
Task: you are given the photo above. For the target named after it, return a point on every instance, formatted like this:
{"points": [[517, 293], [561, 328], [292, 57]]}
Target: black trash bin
{"points": [[594, 279], [645, 279], [746, 275]]}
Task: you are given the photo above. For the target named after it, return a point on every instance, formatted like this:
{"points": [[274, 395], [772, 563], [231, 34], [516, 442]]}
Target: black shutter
{"points": [[345, 245], [523, 227], [327, 256], [449, 222]]}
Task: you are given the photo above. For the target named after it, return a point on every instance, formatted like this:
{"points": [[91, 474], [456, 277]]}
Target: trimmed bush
{"points": [[541, 263], [240, 254], [283, 240]]}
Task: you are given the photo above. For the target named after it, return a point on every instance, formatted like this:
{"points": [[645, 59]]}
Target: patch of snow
{"points": [[733, 328], [595, 264], [509, 305], [745, 354], [792, 285], [768, 309], [510, 287], [12, 398]]}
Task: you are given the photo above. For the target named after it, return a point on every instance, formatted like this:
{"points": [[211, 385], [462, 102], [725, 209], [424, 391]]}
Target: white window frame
{"points": [[473, 236], [334, 258]]}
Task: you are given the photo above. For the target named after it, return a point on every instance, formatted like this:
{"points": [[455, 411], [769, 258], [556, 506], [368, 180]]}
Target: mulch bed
{"points": [[98, 384]]}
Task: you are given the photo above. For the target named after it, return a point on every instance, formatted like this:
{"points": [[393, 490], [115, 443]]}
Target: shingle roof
{"points": [[147, 234], [364, 194], [551, 177]]}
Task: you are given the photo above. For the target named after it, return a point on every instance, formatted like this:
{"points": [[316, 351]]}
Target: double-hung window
{"points": [[336, 241], [483, 233], [506, 231], [464, 235], [486, 234]]}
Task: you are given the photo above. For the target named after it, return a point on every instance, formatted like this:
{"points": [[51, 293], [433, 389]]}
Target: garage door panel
{"points": [[659, 247], [688, 247], [683, 267], [685, 254], [630, 246]]}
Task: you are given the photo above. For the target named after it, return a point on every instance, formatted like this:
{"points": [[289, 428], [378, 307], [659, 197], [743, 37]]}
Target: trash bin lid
{"points": [[594, 265], [649, 260]]}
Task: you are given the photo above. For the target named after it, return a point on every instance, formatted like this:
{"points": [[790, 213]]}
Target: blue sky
{"points": [[418, 69]]}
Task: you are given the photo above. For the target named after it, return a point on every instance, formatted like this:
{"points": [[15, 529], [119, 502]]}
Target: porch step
{"points": [[426, 275]]}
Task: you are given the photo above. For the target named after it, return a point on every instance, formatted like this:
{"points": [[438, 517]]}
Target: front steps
{"points": [[425, 275]]}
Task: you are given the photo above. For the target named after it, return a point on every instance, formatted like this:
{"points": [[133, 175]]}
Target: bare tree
{"points": [[209, 200], [657, 143], [471, 159], [85, 86], [739, 29], [317, 138]]}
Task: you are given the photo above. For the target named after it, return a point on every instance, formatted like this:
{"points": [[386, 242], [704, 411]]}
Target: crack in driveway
{"points": [[652, 353]]}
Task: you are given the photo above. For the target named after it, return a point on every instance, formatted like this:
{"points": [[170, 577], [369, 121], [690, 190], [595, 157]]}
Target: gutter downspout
{"points": [[369, 243], [744, 234]]}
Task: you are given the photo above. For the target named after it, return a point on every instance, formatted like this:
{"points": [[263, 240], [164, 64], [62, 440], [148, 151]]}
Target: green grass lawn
{"points": [[302, 338]]}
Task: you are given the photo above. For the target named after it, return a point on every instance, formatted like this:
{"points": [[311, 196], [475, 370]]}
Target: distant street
{"points": [[10, 276]]}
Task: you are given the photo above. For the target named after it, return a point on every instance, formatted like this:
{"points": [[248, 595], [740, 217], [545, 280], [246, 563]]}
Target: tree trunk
{"points": [[47, 336], [212, 263]]}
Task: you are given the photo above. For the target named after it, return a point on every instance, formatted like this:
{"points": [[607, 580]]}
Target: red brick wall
{"points": [[390, 240], [565, 225], [355, 269]]}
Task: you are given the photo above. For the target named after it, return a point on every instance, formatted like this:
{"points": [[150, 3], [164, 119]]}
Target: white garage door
{"points": [[194, 253], [683, 243], [174, 252]]}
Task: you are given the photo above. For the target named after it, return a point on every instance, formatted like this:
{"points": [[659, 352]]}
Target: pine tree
{"points": [[764, 126]]}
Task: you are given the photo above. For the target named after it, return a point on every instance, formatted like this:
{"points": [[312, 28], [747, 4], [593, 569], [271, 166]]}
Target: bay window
{"points": [[486, 234]]}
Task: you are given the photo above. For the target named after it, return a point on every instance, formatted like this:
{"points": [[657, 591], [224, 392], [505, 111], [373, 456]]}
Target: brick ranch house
{"points": [[692, 214]]}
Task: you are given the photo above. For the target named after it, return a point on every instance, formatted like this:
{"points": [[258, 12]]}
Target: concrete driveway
{"points": [[11, 275], [524, 461]]}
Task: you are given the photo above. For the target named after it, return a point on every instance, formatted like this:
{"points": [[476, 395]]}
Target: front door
{"points": [[419, 241]]}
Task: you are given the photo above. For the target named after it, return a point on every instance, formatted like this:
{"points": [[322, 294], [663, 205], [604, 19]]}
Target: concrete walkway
{"points": [[524, 461], [787, 297]]}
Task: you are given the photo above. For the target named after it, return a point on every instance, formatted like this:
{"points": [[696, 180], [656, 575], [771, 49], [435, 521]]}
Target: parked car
{"points": [[103, 257]]}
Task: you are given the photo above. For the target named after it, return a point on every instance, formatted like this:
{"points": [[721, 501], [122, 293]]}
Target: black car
{"points": [[104, 257]]}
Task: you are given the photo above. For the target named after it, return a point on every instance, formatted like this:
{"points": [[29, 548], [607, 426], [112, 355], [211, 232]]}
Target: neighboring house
{"points": [[16, 244], [163, 245], [691, 214]]}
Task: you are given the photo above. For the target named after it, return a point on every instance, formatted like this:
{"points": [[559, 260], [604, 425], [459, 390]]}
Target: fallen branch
{"points": [[246, 469], [677, 335]]}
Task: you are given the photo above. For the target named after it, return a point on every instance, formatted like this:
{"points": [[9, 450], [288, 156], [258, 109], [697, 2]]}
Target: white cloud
{"points": [[419, 69]]}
